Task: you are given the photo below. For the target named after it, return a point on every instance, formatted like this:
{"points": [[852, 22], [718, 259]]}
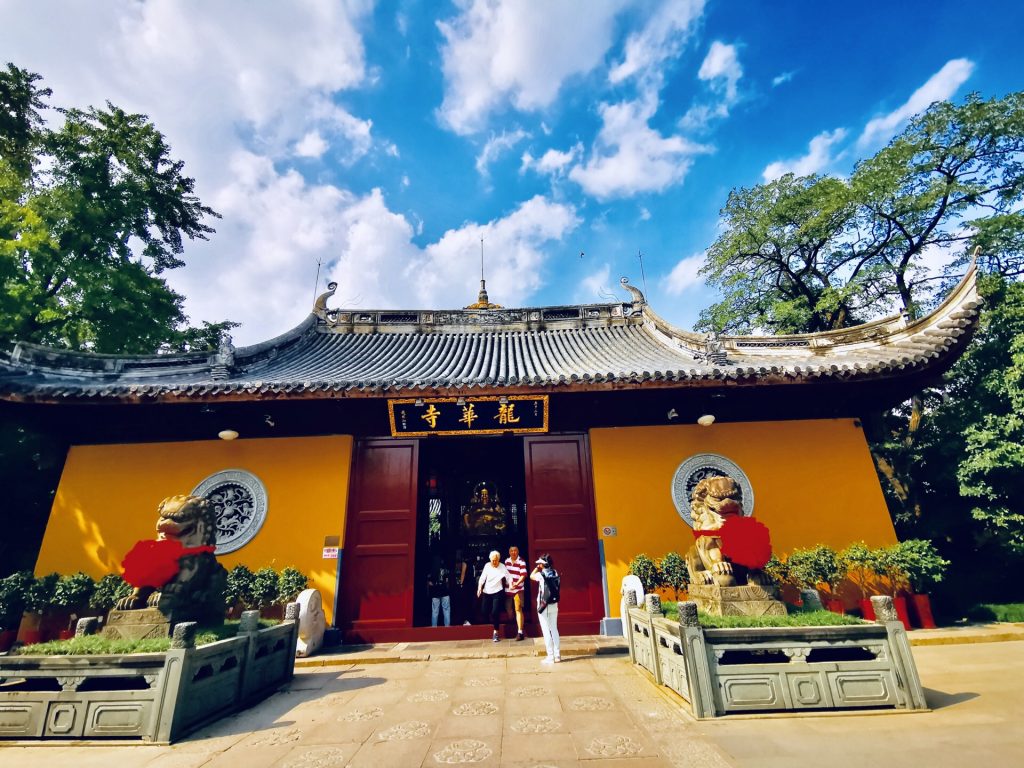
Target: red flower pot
{"points": [[835, 605], [867, 609], [65, 634], [900, 604], [7, 638], [921, 611]]}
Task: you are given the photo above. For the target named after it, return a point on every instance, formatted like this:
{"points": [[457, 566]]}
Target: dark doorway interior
{"points": [[472, 499]]}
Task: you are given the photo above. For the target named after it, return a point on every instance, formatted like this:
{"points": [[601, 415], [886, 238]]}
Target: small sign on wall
{"points": [[330, 553], [609, 530]]}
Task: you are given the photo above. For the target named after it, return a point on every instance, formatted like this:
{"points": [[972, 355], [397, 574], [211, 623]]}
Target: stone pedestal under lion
{"points": [[312, 623]]}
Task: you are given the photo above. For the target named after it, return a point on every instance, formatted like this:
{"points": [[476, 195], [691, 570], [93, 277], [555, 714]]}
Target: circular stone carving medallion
{"points": [[431, 694], [476, 708], [464, 751], [591, 704], [240, 500], [361, 715], [482, 682], [536, 724], [414, 729], [701, 466], [614, 746], [530, 692], [318, 758]]}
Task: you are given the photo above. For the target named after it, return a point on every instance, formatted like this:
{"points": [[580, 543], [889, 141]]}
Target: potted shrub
{"points": [[818, 566], [890, 563], [12, 606], [70, 598], [923, 567], [109, 590], [39, 593], [862, 568], [290, 582], [646, 570], [238, 593], [264, 589], [674, 574]]}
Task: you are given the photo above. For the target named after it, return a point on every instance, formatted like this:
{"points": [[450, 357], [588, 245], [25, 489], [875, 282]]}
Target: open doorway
{"points": [[471, 500]]}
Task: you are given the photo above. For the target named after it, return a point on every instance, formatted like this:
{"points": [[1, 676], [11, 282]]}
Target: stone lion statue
{"points": [[713, 500], [197, 592]]}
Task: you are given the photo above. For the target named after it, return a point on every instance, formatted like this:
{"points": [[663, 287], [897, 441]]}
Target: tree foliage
{"points": [[92, 211], [814, 253]]}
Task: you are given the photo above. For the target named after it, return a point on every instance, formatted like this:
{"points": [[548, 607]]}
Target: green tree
{"points": [[91, 213], [818, 253], [674, 573]]}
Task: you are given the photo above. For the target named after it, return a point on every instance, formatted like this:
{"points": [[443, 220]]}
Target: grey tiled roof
{"points": [[375, 353]]}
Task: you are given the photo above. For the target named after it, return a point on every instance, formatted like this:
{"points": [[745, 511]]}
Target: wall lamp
{"points": [[227, 434], [706, 420]]}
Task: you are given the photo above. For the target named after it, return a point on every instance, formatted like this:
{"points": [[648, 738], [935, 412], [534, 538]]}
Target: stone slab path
{"points": [[587, 711]]}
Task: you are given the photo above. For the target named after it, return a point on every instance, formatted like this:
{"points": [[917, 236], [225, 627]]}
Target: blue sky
{"points": [[383, 140]]}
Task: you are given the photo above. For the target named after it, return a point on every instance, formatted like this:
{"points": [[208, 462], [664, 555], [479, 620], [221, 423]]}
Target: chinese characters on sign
{"points": [[468, 416]]}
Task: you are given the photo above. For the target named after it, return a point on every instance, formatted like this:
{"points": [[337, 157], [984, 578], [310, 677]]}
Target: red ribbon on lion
{"points": [[153, 563], [746, 541]]}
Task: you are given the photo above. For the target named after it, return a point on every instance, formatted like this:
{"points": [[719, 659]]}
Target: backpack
{"points": [[552, 586]]}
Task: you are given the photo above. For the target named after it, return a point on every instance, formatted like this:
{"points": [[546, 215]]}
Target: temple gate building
{"points": [[369, 448]]}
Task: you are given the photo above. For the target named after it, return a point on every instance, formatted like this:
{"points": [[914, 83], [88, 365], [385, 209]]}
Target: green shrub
{"points": [[917, 562], [646, 570], [264, 588], [239, 586], [73, 592], [13, 595], [40, 593], [1011, 612], [290, 582], [109, 590], [817, 565], [674, 573], [861, 563], [795, 618], [778, 571]]}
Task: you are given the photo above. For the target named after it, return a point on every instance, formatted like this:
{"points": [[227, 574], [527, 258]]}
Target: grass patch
{"points": [[98, 645], [795, 618], [1010, 612]]}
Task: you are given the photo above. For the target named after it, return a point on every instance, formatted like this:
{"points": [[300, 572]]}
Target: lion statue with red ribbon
{"points": [[730, 550], [178, 572]]}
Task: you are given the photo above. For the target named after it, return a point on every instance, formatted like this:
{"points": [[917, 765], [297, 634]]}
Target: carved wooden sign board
{"points": [[420, 417]]}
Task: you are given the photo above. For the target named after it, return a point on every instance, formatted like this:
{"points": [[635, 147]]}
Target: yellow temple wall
{"points": [[108, 495], [814, 482]]}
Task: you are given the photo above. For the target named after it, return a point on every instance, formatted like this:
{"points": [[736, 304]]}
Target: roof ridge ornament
{"points": [[223, 359], [636, 293], [482, 302], [320, 305]]}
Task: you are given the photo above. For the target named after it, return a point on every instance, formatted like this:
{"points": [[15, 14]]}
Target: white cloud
{"points": [[594, 285], [496, 146], [645, 215], [661, 39], [629, 157], [311, 145], [819, 156], [722, 71], [553, 162], [684, 275], [499, 52], [782, 78], [239, 96], [938, 87]]}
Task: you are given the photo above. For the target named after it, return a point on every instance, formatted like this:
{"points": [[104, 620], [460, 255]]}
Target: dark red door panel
{"points": [[561, 521], [380, 539]]}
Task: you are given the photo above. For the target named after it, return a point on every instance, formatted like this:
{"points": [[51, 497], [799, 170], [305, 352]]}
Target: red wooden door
{"points": [[378, 560], [561, 521]]}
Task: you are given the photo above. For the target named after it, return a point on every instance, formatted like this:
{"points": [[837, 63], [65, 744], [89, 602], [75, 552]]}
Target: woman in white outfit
{"points": [[492, 587], [547, 612]]}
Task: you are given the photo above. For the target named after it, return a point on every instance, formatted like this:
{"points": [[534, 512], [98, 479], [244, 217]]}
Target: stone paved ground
{"points": [[594, 712]]}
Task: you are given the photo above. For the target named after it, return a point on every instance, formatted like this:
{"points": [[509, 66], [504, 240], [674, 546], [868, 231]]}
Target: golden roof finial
{"points": [[482, 302]]}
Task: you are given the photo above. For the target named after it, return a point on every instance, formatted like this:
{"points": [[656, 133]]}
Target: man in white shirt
{"points": [[491, 586], [516, 567]]}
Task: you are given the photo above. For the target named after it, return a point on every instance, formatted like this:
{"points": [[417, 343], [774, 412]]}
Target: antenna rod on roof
{"points": [[640, 256], [316, 282], [481, 259]]}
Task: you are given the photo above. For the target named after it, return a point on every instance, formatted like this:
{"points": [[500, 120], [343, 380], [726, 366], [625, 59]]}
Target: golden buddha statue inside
{"points": [[484, 515]]}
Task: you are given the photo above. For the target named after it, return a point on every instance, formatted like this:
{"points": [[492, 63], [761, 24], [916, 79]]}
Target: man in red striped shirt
{"points": [[516, 567]]}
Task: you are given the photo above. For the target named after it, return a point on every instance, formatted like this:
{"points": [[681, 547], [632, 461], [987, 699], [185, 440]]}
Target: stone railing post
{"points": [[653, 605], [177, 670], [248, 629], [630, 603], [291, 614], [87, 626], [699, 679], [811, 600], [907, 679]]}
